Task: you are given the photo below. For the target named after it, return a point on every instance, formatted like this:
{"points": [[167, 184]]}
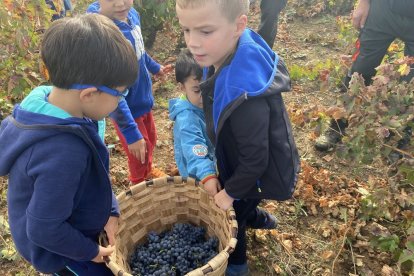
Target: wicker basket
{"points": [[158, 204]]}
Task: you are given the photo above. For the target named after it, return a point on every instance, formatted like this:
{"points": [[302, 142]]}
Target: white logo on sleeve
{"points": [[200, 150]]}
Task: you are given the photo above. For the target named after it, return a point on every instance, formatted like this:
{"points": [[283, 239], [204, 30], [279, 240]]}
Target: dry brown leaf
{"points": [[274, 233], [359, 262], [287, 244], [326, 255], [314, 210], [388, 271], [260, 236], [271, 206], [326, 232], [328, 158], [337, 112], [277, 269]]}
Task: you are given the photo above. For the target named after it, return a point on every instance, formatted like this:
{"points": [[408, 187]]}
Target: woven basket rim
{"points": [[221, 256]]}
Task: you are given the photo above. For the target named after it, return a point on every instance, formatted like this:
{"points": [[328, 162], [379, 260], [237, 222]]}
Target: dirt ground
{"points": [[309, 240]]}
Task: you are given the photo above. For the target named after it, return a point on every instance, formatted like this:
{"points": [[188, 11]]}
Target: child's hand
{"points": [[212, 186], [103, 252], [164, 70], [138, 150], [111, 228], [223, 200]]}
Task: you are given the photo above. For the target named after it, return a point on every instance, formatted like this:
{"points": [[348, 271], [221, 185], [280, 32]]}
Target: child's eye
{"points": [[206, 32]]}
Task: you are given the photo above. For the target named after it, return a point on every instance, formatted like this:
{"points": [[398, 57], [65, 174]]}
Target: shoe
{"points": [[237, 270], [262, 220], [331, 136], [156, 173]]}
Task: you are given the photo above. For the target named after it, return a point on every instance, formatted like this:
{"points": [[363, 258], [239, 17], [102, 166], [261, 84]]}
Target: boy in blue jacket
{"points": [[133, 118], [59, 193], [246, 119], [193, 151]]}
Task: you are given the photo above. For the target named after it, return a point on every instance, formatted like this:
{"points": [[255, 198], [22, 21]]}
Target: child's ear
{"points": [[241, 24], [181, 86], [87, 95]]}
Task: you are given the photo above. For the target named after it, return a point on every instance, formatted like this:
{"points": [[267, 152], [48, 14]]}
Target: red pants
{"points": [[138, 172]]}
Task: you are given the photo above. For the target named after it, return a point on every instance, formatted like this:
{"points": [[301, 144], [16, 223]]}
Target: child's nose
{"points": [[192, 41]]}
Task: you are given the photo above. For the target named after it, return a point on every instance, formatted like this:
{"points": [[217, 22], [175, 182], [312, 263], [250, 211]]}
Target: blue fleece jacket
{"points": [[193, 151], [140, 99], [59, 192]]}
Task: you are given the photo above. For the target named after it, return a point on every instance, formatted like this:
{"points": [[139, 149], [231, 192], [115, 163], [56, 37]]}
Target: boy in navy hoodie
{"points": [[133, 118], [193, 151], [59, 192], [246, 118]]}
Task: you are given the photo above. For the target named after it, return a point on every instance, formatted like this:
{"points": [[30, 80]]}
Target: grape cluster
{"points": [[175, 252]]}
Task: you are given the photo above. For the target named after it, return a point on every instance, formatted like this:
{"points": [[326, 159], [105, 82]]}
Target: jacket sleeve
{"points": [[249, 124], [126, 123], [194, 147], [57, 176], [152, 66]]}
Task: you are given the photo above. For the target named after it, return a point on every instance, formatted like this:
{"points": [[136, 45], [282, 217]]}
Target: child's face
{"points": [[191, 87], [100, 104], [209, 35], [115, 9]]}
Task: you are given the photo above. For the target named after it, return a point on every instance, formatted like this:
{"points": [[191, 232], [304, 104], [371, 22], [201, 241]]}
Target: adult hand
{"points": [[223, 200], [212, 186], [103, 252], [138, 149], [360, 14], [111, 228]]}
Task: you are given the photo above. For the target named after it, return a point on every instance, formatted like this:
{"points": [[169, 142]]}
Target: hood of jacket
{"points": [[178, 105], [254, 70], [23, 129]]}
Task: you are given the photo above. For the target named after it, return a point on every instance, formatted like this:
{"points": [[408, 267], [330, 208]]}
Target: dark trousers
{"points": [[382, 27], [244, 209], [270, 10]]}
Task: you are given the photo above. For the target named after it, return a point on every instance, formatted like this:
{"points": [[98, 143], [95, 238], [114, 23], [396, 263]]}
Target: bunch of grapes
{"points": [[175, 252]]}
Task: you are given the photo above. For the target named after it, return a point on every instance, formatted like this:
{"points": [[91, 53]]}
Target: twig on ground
{"points": [[353, 258], [400, 151], [339, 252]]}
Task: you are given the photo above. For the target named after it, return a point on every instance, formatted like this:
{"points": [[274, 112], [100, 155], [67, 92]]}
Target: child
{"points": [[59, 193], [133, 118], [246, 119], [60, 7], [194, 153]]}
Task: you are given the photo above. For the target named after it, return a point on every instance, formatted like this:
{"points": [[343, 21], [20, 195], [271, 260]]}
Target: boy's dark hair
{"points": [[88, 49], [186, 66]]}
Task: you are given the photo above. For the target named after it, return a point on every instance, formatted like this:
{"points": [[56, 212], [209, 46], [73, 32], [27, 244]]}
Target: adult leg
{"points": [[270, 10], [374, 39]]}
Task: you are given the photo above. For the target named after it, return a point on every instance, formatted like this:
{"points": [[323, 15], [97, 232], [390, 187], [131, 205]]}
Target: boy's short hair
{"points": [[186, 66], [231, 9], [88, 49]]}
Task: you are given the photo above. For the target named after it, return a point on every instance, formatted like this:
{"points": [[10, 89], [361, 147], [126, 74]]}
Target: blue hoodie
{"points": [[140, 99], [59, 192], [193, 151]]}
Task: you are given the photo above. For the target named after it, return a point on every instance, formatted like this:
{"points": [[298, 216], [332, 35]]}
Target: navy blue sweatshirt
{"points": [[59, 193]]}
